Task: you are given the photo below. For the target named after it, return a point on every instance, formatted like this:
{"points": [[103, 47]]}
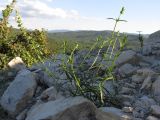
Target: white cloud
{"points": [[1, 8], [37, 8], [39, 14]]}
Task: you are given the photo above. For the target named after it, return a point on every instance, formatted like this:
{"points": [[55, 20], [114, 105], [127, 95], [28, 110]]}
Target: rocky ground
{"points": [[35, 94]]}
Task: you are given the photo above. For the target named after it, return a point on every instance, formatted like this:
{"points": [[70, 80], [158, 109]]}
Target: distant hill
{"points": [[57, 31], [85, 38], [88, 37], [85, 35], [78, 35]]}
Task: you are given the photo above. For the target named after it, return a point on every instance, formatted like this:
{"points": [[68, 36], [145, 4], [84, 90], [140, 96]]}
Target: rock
{"points": [[22, 115], [38, 91], [19, 92], [142, 107], [17, 64], [149, 59], [156, 46], [146, 83], [2, 78], [51, 73], [156, 52], [126, 70], [155, 110], [77, 108], [138, 115], [137, 79], [80, 55], [106, 64], [110, 87], [129, 85], [144, 102], [147, 50], [126, 57], [127, 109], [151, 118], [11, 74], [156, 66], [146, 72], [144, 64], [126, 90], [89, 59], [114, 113], [50, 94], [127, 104], [156, 89], [154, 37], [137, 119], [125, 99]]}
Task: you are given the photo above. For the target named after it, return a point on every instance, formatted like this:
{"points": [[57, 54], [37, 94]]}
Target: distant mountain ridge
{"points": [[87, 35], [57, 31]]}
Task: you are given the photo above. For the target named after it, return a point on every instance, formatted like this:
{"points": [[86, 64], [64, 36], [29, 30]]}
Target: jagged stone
{"points": [[156, 89], [155, 110], [126, 90], [126, 57], [125, 99], [22, 115], [77, 108], [127, 104], [146, 83], [146, 72], [129, 85], [147, 50], [137, 79], [127, 109], [17, 64], [152, 118], [115, 113], [19, 92], [110, 87], [50, 72], [144, 64], [142, 106], [50, 94], [126, 70]]}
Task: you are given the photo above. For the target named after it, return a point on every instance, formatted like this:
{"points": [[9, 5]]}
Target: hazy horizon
{"points": [[68, 30]]}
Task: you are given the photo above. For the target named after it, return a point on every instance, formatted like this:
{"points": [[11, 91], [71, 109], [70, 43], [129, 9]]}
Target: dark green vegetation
{"points": [[29, 45], [85, 39]]}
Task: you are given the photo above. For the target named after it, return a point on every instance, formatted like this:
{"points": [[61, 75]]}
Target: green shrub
{"points": [[29, 45], [88, 80]]}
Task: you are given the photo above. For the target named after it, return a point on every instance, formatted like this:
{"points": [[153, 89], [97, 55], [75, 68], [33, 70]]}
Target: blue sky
{"points": [[88, 14]]}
